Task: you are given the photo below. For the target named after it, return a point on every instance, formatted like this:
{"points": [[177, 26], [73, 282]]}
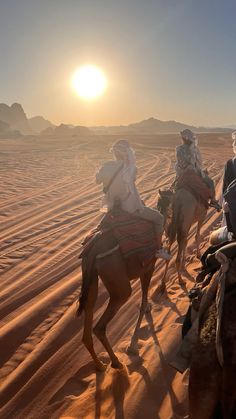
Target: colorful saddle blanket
{"points": [[194, 183], [133, 234]]}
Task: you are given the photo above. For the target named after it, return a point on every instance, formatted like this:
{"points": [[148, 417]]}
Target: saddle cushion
{"points": [[194, 183], [133, 234]]}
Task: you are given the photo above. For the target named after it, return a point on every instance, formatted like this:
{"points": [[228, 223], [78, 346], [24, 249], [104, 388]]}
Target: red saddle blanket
{"points": [[133, 234], [191, 181]]}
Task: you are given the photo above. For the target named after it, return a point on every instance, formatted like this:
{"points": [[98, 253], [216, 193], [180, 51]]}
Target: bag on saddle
{"points": [[195, 184]]}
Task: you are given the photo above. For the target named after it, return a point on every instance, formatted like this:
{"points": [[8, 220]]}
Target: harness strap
{"points": [[106, 188]]}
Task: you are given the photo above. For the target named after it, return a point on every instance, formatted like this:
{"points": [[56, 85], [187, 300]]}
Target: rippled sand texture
{"points": [[48, 202]]}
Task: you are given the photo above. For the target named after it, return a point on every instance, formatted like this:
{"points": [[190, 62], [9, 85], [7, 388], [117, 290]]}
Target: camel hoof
{"points": [[100, 366], [132, 350], [117, 365]]}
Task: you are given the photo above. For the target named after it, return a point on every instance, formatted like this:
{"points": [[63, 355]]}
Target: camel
{"points": [[116, 274], [212, 387], [181, 209]]}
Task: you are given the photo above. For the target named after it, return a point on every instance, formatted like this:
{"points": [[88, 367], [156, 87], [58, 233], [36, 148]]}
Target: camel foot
{"points": [[100, 366], [132, 349], [117, 364]]}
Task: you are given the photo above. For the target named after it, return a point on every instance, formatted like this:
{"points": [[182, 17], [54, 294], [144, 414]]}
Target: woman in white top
{"points": [[122, 171]]}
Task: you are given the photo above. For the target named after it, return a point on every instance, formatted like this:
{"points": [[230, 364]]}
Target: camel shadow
{"points": [[118, 387], [152, 384]]}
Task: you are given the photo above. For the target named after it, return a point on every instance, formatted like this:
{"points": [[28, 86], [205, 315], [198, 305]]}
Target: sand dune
{"points": [[49, 201]]}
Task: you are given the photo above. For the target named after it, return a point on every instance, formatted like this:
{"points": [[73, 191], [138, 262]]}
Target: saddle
{"points": [[128, 232], [195, 184]]}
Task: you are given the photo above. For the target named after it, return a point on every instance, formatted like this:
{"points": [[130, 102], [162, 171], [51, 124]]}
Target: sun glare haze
{"points": [[89, 82]]}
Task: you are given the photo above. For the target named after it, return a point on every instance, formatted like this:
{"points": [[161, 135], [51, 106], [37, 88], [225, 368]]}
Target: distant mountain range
{"points": [[13, 121], [154, 126]]}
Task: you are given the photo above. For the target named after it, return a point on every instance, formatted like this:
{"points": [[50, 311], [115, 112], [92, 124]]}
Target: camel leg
{"points": [[183, 268], [163, 280], [197, 238], [117, 300], [145, 281], [88, 320], [182, 243]]}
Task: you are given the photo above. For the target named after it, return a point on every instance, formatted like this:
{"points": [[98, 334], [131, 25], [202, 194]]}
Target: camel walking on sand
{"points": [[115, 273], [212, 387], [181, 209]]}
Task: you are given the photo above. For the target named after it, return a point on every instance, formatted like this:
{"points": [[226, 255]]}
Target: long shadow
{"points": [[165, 367], [98, 395], [153, 384], [164, 299], [119, 386]]}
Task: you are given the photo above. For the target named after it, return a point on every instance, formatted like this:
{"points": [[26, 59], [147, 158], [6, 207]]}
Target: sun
{"points": [[89, 82]]}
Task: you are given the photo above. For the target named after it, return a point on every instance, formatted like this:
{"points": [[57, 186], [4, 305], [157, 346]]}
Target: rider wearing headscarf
{"points": [[189, 161], [229, 191], [230, 167], [122, 171]]}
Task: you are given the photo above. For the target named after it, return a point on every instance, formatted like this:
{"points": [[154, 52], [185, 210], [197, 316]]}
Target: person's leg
{"points": [[157, 219]]}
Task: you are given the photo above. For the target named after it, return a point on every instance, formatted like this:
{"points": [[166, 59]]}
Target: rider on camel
{"points": [[118, 178], [189, 170]]}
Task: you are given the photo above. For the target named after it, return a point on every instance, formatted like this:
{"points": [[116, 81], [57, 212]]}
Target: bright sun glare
{"points": [[89, 82]]}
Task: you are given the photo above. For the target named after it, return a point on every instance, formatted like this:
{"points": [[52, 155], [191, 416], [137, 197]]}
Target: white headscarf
{"points": [[188, 135], [129, 170]]}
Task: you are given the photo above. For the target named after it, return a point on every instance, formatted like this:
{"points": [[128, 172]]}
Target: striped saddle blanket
{"points": [[133, 234]]}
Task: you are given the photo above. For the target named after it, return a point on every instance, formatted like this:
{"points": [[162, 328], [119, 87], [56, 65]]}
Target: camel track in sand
{"points": [[42, 222]]}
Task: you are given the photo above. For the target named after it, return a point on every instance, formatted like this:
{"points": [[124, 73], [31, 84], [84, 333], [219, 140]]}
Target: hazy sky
{"points": [[170, 59]]}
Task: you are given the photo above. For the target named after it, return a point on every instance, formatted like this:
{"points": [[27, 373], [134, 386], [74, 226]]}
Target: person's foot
{"points": [[162, 253], [215, 204]]}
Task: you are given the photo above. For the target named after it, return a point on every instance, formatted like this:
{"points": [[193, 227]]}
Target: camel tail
{"points": [[88, 273]]}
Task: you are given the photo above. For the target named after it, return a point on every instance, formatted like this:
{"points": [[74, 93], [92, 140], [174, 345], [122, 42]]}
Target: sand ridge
{"points": [[49, 201]]}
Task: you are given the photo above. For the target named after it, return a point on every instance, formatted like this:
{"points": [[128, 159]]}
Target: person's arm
{"points": [[227, 176]]}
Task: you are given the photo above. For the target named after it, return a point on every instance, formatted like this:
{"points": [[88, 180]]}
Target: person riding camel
{"points": [[189, 170], [228, 179], [118, 178]]}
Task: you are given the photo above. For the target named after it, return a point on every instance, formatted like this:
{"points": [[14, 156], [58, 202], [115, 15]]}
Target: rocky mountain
{"points": [[15, 116], [4, 127], [64, 130], [154, 126], [38, 124]]}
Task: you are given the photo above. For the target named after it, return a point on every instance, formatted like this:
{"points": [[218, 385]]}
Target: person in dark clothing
{"points": [[229, 190], [230, 167]]}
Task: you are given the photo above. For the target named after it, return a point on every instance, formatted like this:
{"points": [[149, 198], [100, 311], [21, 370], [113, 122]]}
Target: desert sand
{"points": [[48, 202]]}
